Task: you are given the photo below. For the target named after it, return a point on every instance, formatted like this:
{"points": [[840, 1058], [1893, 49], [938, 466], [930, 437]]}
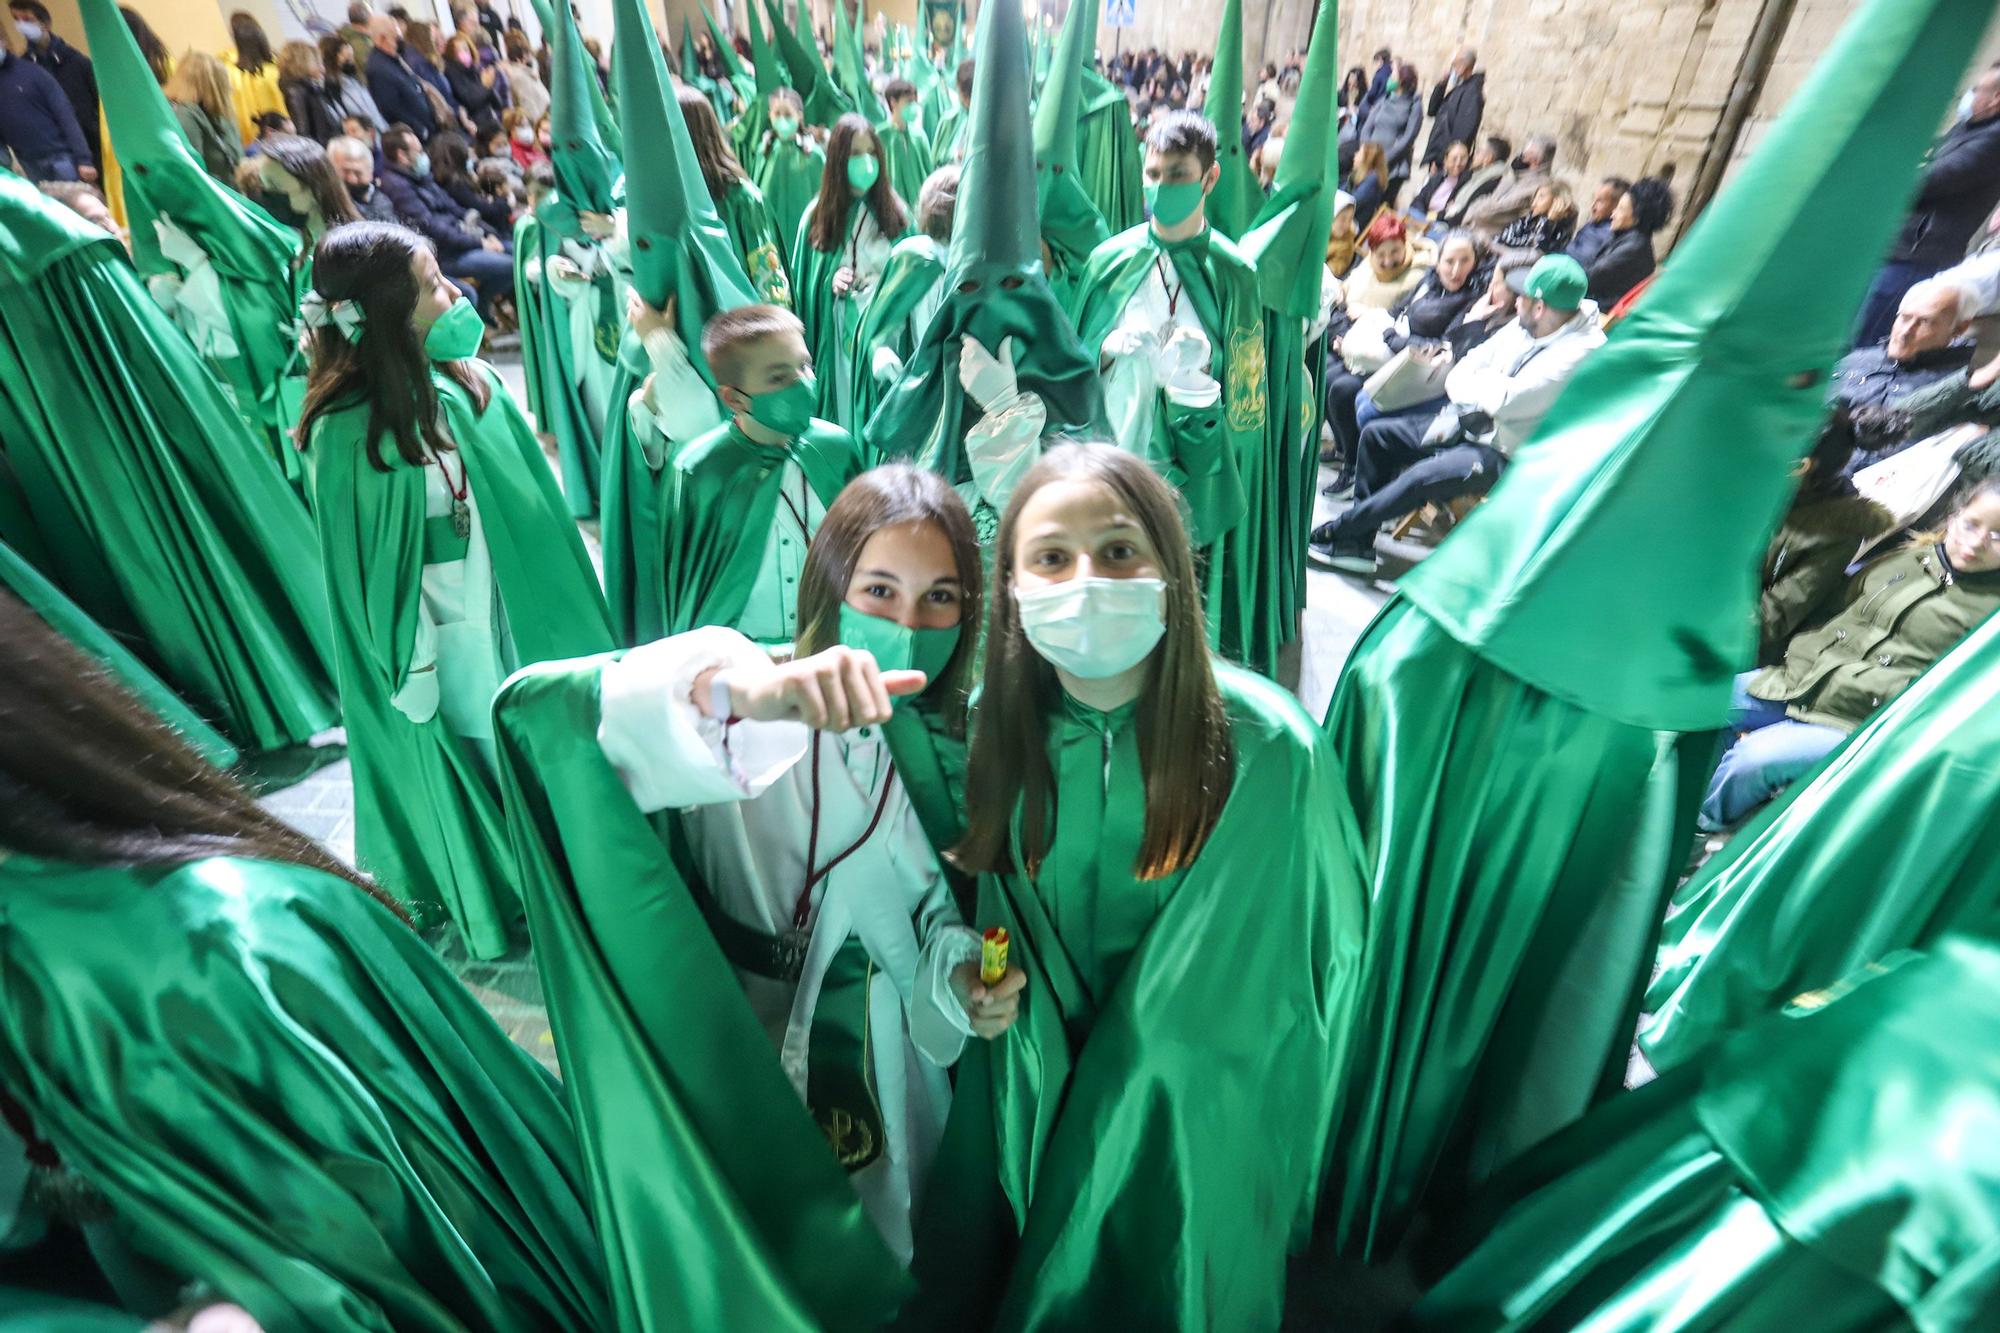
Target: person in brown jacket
{"points": [[1823, 533], [1899, 614], [1533, 169]]}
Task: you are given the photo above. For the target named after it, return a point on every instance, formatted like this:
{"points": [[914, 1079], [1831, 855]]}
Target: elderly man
{"points": [[1534, 169], [1922, 348], [397, 89], [1498, 395], [1457, 105], [1595, 233], [354, 161]]}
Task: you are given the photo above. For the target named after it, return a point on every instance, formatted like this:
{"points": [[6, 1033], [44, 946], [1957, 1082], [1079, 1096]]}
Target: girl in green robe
{"points": [[911, 292], [843, 246], [1144, 1145], [739, 204], [417, 454], [250, 1075], [790, 164]]}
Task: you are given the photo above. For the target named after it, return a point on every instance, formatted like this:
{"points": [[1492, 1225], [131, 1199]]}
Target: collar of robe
{"points": [[1102, 722], [1196, 244]]}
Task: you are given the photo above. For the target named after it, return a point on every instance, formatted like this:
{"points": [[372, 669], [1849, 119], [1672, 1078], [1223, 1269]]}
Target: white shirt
{"points": [[771, 615], [1515, 377]]}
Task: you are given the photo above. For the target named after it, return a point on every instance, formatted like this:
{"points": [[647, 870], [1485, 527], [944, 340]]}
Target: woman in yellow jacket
{"points": [[253, 75]]}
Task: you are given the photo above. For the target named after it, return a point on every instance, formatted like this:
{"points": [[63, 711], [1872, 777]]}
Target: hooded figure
{"points": [[1235, 202], [1510, 726], [1112, 165], [131, 482], [999, 370], [574, 272], [1071, 225], [223, 268], [786, 161], [825, 100]]}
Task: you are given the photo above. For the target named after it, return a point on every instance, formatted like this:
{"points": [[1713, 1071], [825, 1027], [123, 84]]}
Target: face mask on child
{"points": [[1094, 628], [456, 334], [785, 127], [789, 410], [898, 647]]}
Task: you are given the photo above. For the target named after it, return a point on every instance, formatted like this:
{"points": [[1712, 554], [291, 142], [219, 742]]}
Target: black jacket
{"points": [[474, 97], [493, 212], [313, 113], [424, 207], [1867, 378], [1455, 115], [1431, 309], [72, 71], [1625, 261], [399, 94], [1960, 186]]}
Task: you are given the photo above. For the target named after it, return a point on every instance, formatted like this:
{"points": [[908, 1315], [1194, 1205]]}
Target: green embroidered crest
{"points": [[767, 275], [1246, 378]]}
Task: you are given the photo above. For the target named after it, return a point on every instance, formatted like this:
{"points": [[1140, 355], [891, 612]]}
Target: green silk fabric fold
{"points": [[1108, 154], [753, 230], [907, 159], [282, 1094], [789, 175], [549, 353], [670, 1074], [916, 266]]}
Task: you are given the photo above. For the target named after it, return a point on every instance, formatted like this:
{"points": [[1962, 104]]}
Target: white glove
{"points": [[887, 367], [1182, 370], [1125, 342], [166, 290], [1002, 445], [988, 380], [418, 699], [563, 269]]}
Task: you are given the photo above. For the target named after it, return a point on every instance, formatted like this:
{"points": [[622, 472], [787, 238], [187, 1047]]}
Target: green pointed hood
{"points": [[1288, 239], [1070, 222], [679, 246], [746, 85], [850, 71], [770, 70], [1616, 565], [995, 285], [1234, 202], [585, 165], [825, 103]]}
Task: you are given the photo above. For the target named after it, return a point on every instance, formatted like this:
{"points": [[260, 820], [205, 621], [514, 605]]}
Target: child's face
{"points": [[767, 365]]}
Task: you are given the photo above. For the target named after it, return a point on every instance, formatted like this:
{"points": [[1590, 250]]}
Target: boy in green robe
{"points": [[789, 169], [1173, 311], [903, 143], [945, 138]]}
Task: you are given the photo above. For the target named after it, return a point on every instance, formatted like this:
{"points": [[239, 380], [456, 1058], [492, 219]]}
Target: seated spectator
{"points": [[1394, 120], [1488, 173], [399, 94], [1435, 194], [1546, 228], [38, 125], [473, 86], [198, 92], [1595, 233], [1496, 397], [345, 87], [1343, 241], [1395, 265], [1368, 183], [354, 162], [1898, 614], [468, 251], [521, 145], [524, 78], [1264, 162], [1627, 258], [451, 165], [1823, 533], [1533, 169], [491, 153], [302, 81], [1923, 347]]}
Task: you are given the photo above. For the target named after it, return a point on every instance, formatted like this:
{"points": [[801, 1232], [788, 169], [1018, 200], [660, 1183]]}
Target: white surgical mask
{"points": [[1094, 628]]}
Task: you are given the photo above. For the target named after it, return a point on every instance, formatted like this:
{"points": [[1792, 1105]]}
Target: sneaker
{"points": [[1343, 558]]}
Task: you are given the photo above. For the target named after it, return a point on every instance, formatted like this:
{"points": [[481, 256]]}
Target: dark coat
{"points": [[1589, 241], [1867, 378], [373, 203], [1806, 567], [493, 212], [1455, 115], [36, 120], [399, 94], [1431, 309], [73, 73], [313, 113], [1625, 261], [424, 207], [1393, 122], [1961, 184], [474, 97]]}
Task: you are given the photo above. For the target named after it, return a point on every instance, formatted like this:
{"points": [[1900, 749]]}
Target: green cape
{"points": [[788, 175], [850, 71], [1143, 1146], [549, 351], [283, 1094], [754, 233], [749, 131], [831, 322], [760, 1229], [909, 163], [916, 266], [426, 816], [1890, 843], [140, 492], [1071, 226], [1832, 1168], [823, 98], [1108, 150]]}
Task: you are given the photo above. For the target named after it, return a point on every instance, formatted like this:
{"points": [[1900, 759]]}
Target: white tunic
{"points": [[745, 790], [1158, 317]]}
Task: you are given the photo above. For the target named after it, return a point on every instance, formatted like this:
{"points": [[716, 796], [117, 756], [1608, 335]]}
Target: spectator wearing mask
{"points": [[1368, 183], [1434, 196], [398, 92], [1595, 233], [1394, 121], [38, 125], [345, 87], [1457, 105], [1497, 396], [467, 249], [1627, 259], [1343, 239], [1532, 170], [451, 165], [302, 80], [1898, 614], [474, 88], [1922, 348], [522, 144], [253, 75], [1545, 229], [1489, 171], [1823, 532], [199, 93], [1960, 185], [69, 67], [354, 162], [524, 77], [1393, 269]]}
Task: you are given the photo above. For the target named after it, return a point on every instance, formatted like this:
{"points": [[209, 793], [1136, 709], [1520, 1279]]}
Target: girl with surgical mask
{"points": [[789, 166], [415, 454], [815, 797], [1180, 880]]}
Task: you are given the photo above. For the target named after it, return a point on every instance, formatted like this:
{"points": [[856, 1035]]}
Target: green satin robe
{"points": [[282, 1093], [694, 532], [140, 493], [1515, 884], [916, 266], [832, 322], [1109, 159], [760, 1228], [949, 127], [788, 176], [1144, 1145], [533, 318], [909, 160], [26, 1311], [753, 227], [426, 814], [551, 365], [1890, 843], [1835, 1169]]}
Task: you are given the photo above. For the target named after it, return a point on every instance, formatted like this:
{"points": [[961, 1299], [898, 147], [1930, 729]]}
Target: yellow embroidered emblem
{"points": [[767, 275], [1246, 378]]}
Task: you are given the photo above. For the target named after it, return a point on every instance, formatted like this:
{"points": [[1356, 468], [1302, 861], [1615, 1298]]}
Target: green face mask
{"points": [[862, 170], [784, 127], [789, 410], [1172, 203], [456, 334], [897, 647]]}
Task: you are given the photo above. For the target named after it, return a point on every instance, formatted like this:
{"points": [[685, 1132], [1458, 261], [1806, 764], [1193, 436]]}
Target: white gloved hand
{"points": [[1125, 342], [989, 380], [166, 291], [887, 367], [1182, 369], [564, 269]]}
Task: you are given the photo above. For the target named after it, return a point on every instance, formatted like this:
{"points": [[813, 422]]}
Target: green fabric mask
{"points": [[789, 410], [785, 127], [898, 647], [456, 334], [862, 171], [1173, 203]]}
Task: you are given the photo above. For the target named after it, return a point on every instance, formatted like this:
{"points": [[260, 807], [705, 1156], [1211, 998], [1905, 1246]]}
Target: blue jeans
{"points": [[492, 271], [1878, 311], [1365, 411], [1770, 753]]}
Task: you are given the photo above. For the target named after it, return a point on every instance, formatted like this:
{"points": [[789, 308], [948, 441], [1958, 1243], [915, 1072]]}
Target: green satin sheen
{"points": [[1071, 225], [916, 266], [26, 1311], [831, 321], [1108, 155], [1234, 202], [671, 1076], [753, 230], [282, 1093], [141, 494], [1143, 1146], [549, 353], [1889, 844], [909, 161], [1834, 1169], [426, 815], [789, 177]]}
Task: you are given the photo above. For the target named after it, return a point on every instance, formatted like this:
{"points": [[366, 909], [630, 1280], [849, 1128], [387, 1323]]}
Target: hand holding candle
{"points": [[989, 989]]}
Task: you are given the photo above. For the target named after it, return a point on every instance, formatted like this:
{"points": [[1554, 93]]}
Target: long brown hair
{"points": [[836, 196], [882, 498], [1185, 749], [89, 775], [199, 78], [719, 167], [370, 263], [1369, 160]]}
